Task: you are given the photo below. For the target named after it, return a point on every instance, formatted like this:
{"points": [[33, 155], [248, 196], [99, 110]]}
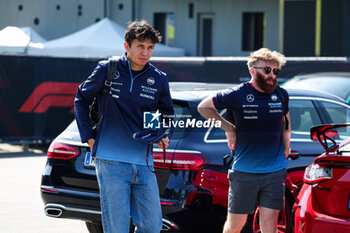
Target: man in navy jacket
{"points": [[127, 186]]}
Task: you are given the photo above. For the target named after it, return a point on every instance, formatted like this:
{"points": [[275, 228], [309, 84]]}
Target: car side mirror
{"points": [[293, 154]]}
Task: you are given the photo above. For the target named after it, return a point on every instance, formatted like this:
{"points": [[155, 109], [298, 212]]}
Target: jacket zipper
{"points": [[133, 78]]}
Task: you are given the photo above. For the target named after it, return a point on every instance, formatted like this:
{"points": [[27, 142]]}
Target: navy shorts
{"points": [[248, 189]]}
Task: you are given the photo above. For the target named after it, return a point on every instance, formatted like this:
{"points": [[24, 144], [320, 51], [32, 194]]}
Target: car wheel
{"points": [[94, 227], [97, 228], [284, 224]]}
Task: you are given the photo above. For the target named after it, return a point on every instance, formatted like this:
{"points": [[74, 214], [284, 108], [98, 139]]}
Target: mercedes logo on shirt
{"points": [[117, 75], [250, 98]]}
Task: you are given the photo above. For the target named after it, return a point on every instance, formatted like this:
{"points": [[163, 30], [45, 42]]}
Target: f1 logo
{"points": [[50, 94], [151, 120]]}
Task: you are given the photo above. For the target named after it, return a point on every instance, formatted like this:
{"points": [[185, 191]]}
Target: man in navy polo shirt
{"points": [[260, 136], [127, 185]]}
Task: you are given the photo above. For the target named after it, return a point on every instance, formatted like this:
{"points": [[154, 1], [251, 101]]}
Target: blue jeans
{"points": [[128, 190]]}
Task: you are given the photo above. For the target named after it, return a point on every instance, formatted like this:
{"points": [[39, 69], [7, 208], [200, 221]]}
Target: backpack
{"points": [[95, 113], [284, 103]]}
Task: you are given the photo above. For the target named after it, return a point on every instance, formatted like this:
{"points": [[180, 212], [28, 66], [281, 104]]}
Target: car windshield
{"points": [[336, 85]]}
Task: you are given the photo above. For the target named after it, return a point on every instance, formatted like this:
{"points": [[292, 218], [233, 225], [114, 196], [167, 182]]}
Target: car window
{"points": [[338, 114], [303, 116], [217, 133], [181, 111]]}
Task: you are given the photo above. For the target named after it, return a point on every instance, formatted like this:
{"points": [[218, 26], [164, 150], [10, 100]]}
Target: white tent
{"points": [[17, 39], [102, 39]]}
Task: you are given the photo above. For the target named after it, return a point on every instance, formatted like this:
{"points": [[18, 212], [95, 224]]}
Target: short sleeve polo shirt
{"points": [[258, 121]]}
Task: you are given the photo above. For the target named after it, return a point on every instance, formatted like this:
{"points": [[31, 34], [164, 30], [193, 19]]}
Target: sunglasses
{"points": [[268, 69]]}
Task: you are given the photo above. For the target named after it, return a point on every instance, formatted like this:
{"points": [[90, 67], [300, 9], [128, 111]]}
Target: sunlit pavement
{"points": [[21, 208]]}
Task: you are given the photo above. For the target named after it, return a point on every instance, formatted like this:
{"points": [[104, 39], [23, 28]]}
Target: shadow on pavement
{"points": [[4, 155], [15, 151]]}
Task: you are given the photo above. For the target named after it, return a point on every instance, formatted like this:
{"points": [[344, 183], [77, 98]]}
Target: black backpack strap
{"points": [[228, 159], [284, 103], [150, 147], [112, 70]]}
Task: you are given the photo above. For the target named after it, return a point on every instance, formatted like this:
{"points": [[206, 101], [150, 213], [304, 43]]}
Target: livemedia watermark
{"points": [[156, 120]]}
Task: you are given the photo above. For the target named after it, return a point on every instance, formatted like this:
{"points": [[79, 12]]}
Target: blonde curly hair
{"points": [[266, 54]]}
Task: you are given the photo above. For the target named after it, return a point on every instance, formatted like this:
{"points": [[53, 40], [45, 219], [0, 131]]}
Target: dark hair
{"points": [[141, 30]]}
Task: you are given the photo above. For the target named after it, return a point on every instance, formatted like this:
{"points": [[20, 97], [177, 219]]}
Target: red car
{"points": [[323, 203]]}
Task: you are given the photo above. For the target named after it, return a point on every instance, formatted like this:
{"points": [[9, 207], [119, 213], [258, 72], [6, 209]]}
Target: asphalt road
{"points": [[21, 208]]}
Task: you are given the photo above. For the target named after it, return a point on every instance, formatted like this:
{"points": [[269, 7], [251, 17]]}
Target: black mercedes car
{"points": [[192, 180]]}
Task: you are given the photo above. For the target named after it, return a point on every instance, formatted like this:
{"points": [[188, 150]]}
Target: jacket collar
{"points": [[124, 61]]}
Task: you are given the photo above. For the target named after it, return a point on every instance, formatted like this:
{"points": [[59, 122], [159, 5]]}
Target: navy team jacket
{"points": [[130, 96]]}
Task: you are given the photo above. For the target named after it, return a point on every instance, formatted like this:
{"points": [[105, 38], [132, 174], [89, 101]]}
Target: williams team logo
{"points": [[151, 120], [274, 97], [150, 81]]}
